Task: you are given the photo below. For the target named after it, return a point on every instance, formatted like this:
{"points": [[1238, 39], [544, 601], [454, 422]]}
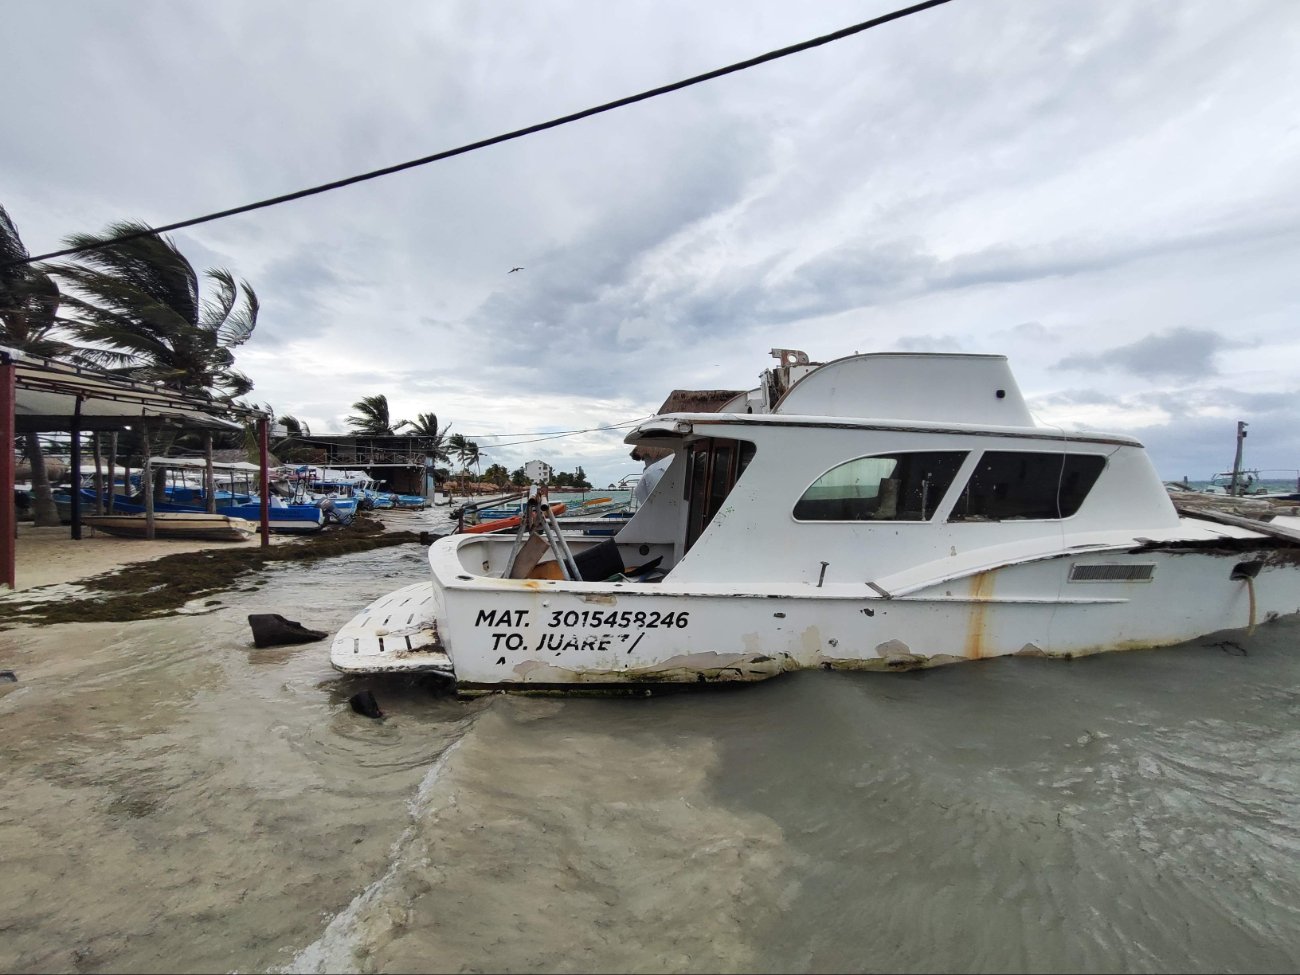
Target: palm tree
{"points": [[138, 305], [456, 447], [29, 304], [372, 417], [434, 441], [472, 456], [466, 451]]}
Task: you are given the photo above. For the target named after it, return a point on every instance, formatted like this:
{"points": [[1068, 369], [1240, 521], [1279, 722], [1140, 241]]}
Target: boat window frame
{"points": [[935, 505], [1066, 457], [700, 482]]}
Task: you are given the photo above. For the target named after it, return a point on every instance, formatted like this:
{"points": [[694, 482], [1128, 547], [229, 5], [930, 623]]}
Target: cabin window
{"points": [[715, 466], [1010, 484], [887, 487]]}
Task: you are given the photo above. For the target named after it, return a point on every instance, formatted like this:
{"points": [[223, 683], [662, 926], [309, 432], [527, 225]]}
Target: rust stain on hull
{"points": [[981, 592]]}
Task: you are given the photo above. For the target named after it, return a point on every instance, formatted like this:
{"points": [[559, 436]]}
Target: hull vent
{"points": [[1113, 572]]}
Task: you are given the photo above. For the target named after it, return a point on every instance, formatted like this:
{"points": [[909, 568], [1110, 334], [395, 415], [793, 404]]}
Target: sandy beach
{"points": [[49, 555]]}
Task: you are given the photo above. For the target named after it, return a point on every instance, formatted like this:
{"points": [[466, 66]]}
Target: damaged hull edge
{"points": [[489, 635]]}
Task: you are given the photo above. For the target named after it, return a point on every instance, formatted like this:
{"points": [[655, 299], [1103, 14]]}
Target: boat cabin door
{"points": [[714, 466]]}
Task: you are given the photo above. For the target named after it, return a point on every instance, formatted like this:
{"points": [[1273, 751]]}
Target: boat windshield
{"points": [[1013, 484], [885, 487]]}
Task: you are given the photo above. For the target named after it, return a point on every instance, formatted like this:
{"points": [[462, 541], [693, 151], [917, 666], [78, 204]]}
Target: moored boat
{"points": [[175, 524], [878, 512]]}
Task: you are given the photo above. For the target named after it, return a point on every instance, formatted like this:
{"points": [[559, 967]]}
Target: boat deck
{"points": [[394, 633]]}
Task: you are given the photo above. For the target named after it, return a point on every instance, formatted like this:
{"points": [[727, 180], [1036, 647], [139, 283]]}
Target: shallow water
{"points": [[176, 800]]}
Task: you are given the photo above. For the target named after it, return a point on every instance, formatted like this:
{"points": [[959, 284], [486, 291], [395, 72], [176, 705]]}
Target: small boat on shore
{"points": [[877, 512], [506, 522], [175, 524]]}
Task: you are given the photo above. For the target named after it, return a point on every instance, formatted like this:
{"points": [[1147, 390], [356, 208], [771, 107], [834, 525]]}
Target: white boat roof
{"points": [[925, 386], [671, 425], [925, 392]]}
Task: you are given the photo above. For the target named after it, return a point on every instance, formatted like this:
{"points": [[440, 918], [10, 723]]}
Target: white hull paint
{"points": [[536, 635]]}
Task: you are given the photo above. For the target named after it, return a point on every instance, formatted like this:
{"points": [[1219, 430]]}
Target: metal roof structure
{"points": [[52, 395], [39, 395]]}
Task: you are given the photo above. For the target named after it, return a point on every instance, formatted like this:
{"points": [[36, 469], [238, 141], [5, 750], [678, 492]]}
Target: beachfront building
{"points": [[402, 464]]}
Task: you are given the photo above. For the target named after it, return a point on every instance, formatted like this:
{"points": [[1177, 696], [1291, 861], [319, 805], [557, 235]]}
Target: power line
{"points": [[538, 436], [556, 433], [555, 436], [497, 139]]}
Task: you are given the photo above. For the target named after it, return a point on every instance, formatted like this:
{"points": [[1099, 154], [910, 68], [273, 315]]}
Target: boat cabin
{"points": [[857, 469]]}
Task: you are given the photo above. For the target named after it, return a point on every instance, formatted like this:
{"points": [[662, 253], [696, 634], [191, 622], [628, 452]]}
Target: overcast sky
{"points": [[1106, 191]]}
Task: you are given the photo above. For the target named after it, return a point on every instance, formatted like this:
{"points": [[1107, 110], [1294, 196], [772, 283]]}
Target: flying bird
{"points": [[514, 269]]}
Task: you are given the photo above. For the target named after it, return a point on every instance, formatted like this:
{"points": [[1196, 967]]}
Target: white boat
{"points": [[877, 512], [1254, 483], [175, 524]]}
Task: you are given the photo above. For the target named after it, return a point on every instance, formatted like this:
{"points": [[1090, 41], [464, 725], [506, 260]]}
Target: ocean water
{"points": [[176, 800]]}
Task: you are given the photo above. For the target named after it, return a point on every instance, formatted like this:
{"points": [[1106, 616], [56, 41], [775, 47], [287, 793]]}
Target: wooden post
{"points": [[264, 453], [146, 479], [8, 516], [210, 476], [99, 475], [75, 491], [112, 471]]}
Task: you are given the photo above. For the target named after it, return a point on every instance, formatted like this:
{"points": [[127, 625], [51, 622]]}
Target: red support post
{"points": [[264, 449], [8, 514]]}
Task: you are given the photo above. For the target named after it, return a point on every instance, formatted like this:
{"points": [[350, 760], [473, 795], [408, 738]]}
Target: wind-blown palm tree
{"points": [[467, 452], [138, 306], [473, 455], [372, 417], [434, 441], [294, 429], [29, 304]]}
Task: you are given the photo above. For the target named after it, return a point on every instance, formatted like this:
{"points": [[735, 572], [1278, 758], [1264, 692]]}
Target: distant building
{"points": [[539, 471], [400, 463]]}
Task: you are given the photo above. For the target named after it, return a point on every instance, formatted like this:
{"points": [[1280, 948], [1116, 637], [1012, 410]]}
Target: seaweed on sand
{"points": [[142, 590]]}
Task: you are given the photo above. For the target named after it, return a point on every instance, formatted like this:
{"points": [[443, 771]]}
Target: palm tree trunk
{"points": [[146, 482], [43, 508]]}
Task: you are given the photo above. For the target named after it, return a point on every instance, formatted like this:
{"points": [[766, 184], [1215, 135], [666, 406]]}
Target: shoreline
{"points": [[49, 555], [109, 578]]}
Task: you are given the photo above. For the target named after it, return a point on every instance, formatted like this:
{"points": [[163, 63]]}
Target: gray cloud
{"points": [[1102, 187], [1183, 353]]}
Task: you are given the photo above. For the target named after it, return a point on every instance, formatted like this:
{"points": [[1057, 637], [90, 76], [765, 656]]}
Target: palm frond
{"points": [[239, 323], [216, 308], [140, 298], [372, 416], [151, 265]]}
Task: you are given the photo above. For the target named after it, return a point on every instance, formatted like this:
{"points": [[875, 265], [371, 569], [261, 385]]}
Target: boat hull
{"points": [[546, 636], [169, 524]]}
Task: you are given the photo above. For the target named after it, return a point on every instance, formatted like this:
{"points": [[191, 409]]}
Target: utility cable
{"points": [[539, 436], [495, 140]]}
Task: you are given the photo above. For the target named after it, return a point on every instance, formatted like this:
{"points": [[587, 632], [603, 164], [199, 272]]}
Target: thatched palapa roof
{"points": [[686, 401]]}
